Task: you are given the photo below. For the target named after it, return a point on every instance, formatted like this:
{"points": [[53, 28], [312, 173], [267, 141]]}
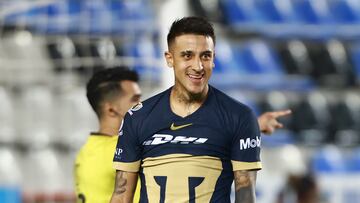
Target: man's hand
{"points": [[268, 122]]}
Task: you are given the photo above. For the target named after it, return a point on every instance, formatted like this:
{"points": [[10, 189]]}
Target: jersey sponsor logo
{"points": [[173, 127], [118, 151], [158, 139], [250, 143], [136, 107]]}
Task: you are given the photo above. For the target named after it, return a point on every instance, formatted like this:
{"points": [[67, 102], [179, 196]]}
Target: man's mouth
{"points": [[196, 76]]}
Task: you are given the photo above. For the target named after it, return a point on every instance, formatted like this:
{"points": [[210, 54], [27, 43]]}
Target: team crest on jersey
{"points": [[137, 107]]}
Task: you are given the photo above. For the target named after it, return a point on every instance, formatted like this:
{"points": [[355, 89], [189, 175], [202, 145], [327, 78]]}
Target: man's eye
{"points": [[187, 56], [206, 56]]}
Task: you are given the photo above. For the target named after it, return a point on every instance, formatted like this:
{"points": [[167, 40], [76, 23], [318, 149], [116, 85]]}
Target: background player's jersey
{"points": [[94, 174], [189, 159]]}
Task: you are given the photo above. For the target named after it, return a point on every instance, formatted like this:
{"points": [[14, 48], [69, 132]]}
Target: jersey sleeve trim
{"points": [[240, 165], [128, 167]]}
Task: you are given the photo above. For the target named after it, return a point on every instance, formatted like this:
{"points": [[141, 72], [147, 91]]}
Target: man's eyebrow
{"points": [[207, 52], [186, 52]]}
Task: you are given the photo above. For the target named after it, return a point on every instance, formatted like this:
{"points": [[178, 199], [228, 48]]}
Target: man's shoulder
{"points": [[228, 103], [146, 106]]}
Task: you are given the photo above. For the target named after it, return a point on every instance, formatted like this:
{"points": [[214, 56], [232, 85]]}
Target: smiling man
{"points": [[190, 142]]}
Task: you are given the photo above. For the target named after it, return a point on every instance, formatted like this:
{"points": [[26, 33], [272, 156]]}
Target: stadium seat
{"points": [[346, 112], [44, 175], [241, 15], [10, 175], [259, 58], [225, 61], [144, 56], [345, 120], [133, 16], [7, 128], [263, 69], [353, 161], [35, 116], [83, 51], [208, 9], [345, 11], [328, 159], [313, 12], [332, 65], [295, 57], [311, 118], [238, 11], [103, 48], [66, 157], [103, 52], [62, 51], [55, 18], [276, 11], [316, 19], [276, 101], [355, 56], [75, 119]]}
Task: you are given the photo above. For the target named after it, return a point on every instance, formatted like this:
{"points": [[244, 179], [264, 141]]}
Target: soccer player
{"points": [[111, 93], [190, 142], [95, 177]]}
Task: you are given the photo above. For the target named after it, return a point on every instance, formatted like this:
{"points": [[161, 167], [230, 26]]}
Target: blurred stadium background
{"points": [[271, 55]]}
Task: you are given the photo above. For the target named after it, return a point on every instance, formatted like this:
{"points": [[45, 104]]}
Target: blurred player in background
{"points": [[111, 93], [300, 189], [156, 139]]}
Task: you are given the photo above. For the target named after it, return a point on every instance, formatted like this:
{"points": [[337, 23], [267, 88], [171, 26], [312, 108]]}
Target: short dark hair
{"points": [[190, 25], [104, 85]]}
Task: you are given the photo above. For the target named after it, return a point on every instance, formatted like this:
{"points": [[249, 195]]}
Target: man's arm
{"points": [[268, 122], [125, 185], [245, 186]]}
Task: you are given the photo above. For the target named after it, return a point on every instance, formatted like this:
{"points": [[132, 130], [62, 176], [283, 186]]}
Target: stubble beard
{"points": [[184, 95]]}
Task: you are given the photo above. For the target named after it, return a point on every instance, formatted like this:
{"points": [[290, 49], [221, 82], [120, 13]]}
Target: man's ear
{"points": [[214, 60], [109, 110], [169, 59]]}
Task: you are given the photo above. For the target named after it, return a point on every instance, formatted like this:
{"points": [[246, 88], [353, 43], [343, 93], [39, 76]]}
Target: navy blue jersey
{"points": [[191, 158]]}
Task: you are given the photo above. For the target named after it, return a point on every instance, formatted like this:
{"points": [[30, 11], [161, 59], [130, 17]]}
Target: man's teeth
{"points": [[195, 76]]}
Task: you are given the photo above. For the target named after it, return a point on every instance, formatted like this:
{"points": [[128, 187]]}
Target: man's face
{"points": [[130, 96], [192, 57]]}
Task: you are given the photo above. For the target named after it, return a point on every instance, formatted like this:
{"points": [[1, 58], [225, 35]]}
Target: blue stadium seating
{"points": [[275, 11], [10, 194], [345, 11], [92, 17], [320, 19], [313, 12], [145, 55], [259, 58], [355, 53], [225, 62], [353, 161], [328, 160], [242, 15]]}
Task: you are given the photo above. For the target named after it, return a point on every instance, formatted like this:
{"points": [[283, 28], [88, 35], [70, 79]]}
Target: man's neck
{"points": [[184, 103], [109, 126]]}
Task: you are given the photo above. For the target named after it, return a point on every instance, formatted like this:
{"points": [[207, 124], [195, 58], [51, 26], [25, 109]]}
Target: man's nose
{"points": [[198, 66]]}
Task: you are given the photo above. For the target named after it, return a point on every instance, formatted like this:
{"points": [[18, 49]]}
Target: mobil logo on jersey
{"points": [[158, 139], [250, 143]]}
